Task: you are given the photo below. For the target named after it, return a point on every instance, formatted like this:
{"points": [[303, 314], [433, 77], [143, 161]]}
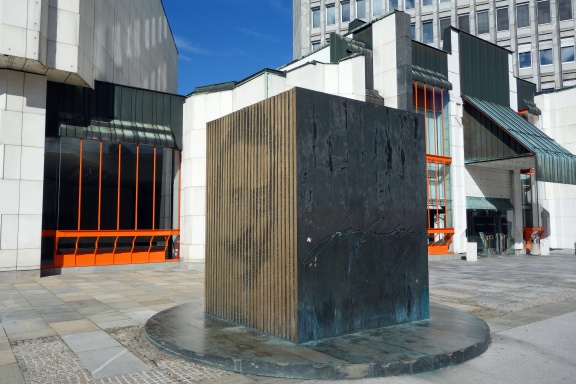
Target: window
{"points": [[360, 8], [413, 31], [546, 56], [409, 4], [330, 14], [427, 32], [316, 18], [483, 24], [502, 22], [345, 7], [565, 9], [544, 12], [426, 2], [444, 23], [444, 1], [392, 4], [524, 59], [524, 55], [376, 7], [315, 45], [567, 54], [464, 22], [523, 15]]}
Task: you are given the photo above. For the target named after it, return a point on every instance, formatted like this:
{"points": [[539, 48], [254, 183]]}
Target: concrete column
{"points": [[457, 148], [535, 45], [22, 122], [513, 36], [517, 202], [393, 60]]}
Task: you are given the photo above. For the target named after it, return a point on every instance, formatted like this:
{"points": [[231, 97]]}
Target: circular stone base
{"points": [[450, 336]]}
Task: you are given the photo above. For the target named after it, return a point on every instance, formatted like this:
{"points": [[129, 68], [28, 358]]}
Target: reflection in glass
{"points": [[145, 187], [128, 187], [345, 7], [360, 8], [109, 207], [330, 14], [546, 56]]}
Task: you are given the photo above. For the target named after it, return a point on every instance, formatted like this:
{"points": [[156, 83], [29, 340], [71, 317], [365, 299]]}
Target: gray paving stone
{"points": [[89, 341], [10, 374], [110, 362]]}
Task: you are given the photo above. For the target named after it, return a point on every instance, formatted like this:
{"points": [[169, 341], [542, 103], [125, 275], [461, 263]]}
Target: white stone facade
{"points": [[127, 42], [559, 200]]}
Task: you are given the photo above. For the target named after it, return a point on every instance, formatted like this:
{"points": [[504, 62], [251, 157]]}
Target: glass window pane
{"points": [[546, 56], [565, 9], [392, 4], [145, 186], [345, 7], [544, 12], [483, 24], [360, 9], [444, 23], [330, 14], [67, 210], [567, 54], [426, 2], [413, 31], [464, 22], [316, 18], [90, 184], [376, 7], [315, 45], [128, 186], [109, 185], [502, 19], [165, 178], [524, 60], [523, 15], [427, 32], [409, 4]]}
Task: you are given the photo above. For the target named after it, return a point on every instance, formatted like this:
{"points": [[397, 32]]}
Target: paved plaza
{"points": [[88, 328]]}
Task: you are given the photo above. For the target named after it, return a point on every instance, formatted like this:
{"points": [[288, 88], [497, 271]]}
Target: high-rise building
{"points": [[539, 33]]}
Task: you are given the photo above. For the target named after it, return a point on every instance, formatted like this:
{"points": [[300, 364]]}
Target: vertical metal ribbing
{"points": [[251, 217]]}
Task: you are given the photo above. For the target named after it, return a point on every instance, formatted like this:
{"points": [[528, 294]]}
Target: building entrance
{"points": [[491, 230]]}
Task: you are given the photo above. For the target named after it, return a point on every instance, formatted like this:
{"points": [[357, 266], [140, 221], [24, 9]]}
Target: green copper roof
{"points": [[489, 203], [554, 163]]}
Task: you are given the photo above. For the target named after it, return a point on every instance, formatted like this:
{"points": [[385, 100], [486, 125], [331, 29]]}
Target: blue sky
{"points": [[225, 40]]}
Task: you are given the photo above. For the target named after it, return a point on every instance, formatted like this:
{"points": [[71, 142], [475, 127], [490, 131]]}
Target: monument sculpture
{"points": [[316, 255], [316, 217]]}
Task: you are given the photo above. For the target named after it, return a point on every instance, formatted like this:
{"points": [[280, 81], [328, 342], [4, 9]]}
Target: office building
{"points": [[494, 178], [539, 33]]}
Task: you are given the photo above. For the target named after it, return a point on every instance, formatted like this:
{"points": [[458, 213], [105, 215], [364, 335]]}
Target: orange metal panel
{"points": [[123, 258], [105, 258]]}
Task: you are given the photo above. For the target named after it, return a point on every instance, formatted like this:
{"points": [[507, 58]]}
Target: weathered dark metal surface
{"points": [[526, 91], [449, 337], [554, 163], [362, 256], [113, 112], [484, 70], [430, 65]]}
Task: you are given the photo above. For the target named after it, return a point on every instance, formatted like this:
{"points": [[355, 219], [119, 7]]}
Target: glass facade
{"points": [[433, 102], [110, 189]]}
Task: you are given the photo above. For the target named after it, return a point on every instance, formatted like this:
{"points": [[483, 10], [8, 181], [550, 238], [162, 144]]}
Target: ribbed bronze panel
{"points": [[251, 217]]}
